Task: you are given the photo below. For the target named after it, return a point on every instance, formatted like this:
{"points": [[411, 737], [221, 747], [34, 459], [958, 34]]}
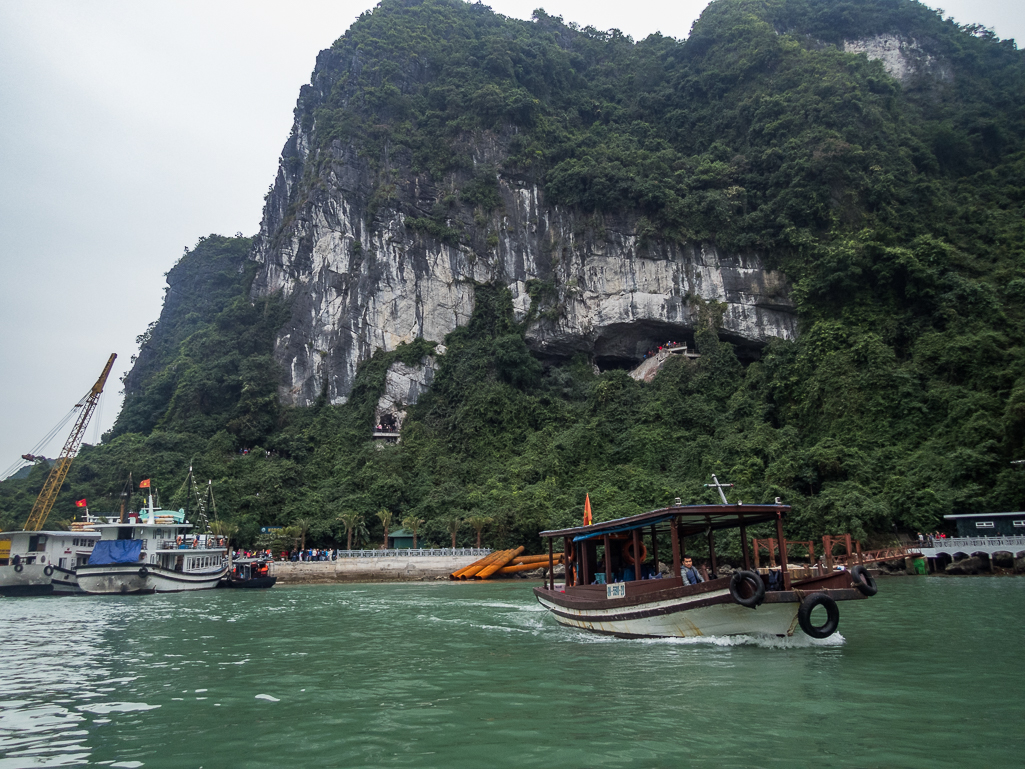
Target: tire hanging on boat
{"points": [[864, 581], [752, 578], [828, 627], [48, 570], [143, 571]]}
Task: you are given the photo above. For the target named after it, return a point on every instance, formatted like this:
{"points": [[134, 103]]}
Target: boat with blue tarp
{"points": [[153, 551]]}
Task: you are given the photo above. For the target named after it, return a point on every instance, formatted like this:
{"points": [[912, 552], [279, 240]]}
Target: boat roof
{"points": [[693, 519]]}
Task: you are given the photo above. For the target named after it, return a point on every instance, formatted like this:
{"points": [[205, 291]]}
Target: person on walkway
{"points": [[691, 575]]}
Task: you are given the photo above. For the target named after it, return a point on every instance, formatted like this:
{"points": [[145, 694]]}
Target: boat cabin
{"points": [[162, 538], [64, 549], [614, 552]]}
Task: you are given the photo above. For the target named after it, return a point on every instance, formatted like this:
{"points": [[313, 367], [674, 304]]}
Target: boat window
{"points": [[1019, 524], [984, 524]]}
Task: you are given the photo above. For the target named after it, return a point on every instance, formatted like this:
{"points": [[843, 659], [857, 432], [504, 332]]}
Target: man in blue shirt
{"points": [[691, 576]]}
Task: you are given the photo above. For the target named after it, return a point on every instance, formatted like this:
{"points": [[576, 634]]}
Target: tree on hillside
{"points": [[385, 515], [224, 529], [478, 522], [303, 525], [351, 520], [413, 524], [453, 525]]}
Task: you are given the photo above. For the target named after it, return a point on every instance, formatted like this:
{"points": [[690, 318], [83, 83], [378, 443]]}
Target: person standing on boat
{"points": [[690, 574]]}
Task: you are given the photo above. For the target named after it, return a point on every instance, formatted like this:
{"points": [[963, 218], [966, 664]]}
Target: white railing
{"points": [[962, 543], [479, 552]]}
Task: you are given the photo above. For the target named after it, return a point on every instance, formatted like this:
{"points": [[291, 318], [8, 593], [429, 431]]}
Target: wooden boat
{"points": [[609, 589], [249, 573]]}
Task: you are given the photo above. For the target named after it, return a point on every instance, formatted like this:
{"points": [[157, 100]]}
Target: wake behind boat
{"points": [[154, 555], [613, 591]]}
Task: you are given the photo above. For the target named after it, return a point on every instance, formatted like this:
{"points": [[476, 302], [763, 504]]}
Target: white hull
{"points": [[675, 619], [33, 579], [120, 579]]}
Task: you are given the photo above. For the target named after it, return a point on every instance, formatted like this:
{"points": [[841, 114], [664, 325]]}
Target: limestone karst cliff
{"points": [[374, 251]]}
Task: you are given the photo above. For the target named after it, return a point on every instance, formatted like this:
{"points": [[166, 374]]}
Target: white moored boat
{"points": [[153, 554], [43, 562]]}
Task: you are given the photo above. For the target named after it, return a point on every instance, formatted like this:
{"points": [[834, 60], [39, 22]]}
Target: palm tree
{"points": [[478, 522], [303, 524], [223, 529], [453, 525], [413, 524], [385, 515], [352, 520]]}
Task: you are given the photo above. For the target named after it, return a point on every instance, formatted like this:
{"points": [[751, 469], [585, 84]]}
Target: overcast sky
{"points": [[129, 130]]}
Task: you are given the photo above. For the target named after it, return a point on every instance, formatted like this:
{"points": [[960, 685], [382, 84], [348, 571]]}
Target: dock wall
{"points": [[394, 569]]}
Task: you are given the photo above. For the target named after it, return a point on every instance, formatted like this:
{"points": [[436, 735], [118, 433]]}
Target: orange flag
{"points": [[144, 484], [81, 503], [587, 510]]}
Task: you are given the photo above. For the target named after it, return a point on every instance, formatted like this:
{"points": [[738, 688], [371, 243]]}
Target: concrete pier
{"points": [[393, 569]]}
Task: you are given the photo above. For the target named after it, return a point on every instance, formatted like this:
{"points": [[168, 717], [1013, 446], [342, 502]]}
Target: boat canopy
{"points": [[692, 519]]}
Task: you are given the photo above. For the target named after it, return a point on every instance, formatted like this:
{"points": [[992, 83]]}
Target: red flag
{"points": [[587, 510], [81, 503], [144, 484]]}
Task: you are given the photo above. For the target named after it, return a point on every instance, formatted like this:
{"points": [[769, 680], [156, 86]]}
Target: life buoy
{"points": [[863, 581], [828, 627], [48, 570], [757, 588], [143, 571], [628, 553]]}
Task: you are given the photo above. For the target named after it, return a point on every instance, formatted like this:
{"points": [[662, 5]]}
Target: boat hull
{"points": [[33, 580], [253, 582], [682, 611], [30, 579], [124, 579]]}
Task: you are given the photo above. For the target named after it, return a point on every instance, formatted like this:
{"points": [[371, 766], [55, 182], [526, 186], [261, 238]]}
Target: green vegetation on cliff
{"points": [[896, 210]]}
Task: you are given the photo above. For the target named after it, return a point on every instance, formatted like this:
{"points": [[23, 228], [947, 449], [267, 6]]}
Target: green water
{"points": [[927, 673]]}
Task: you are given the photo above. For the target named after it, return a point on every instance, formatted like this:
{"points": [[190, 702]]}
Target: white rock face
{"points": [[903, 58], [360, 277], [403, 387]]}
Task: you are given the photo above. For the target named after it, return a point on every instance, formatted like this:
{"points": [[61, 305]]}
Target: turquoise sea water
{"points": [[928, 673]]}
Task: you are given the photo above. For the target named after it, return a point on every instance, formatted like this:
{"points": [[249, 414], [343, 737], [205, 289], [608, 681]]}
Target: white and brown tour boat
{"points": [[609, 588]]}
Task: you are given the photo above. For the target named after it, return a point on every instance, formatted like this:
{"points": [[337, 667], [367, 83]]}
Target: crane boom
{"points": [[59, 471]]}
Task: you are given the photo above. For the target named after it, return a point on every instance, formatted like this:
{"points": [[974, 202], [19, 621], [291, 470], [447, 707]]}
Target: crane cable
{"points": [[21, 462]]}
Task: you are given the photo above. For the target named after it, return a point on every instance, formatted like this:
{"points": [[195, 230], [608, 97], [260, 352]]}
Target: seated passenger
{"points": [[691, 576]]}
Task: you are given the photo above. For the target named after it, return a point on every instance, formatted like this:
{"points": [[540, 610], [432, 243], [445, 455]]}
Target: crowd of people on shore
{"points": [[310, 554]]}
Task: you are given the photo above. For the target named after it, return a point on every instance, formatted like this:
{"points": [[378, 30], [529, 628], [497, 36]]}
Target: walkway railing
{"points": [[960, 543], [478, 552]]}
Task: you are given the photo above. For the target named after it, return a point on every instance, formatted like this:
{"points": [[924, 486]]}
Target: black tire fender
{"points": [[19, 567], [864, 581], [754, 579], [828, 627], [48, 570], [143, 571]]}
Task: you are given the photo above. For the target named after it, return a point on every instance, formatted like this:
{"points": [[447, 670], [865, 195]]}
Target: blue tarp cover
{"points": [[115, 551]]}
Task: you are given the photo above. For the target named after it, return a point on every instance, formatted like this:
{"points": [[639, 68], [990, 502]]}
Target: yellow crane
{"points": [[59, 471]]}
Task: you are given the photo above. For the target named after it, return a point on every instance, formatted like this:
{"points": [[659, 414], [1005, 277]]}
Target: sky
{"points": [[129, 130]]}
